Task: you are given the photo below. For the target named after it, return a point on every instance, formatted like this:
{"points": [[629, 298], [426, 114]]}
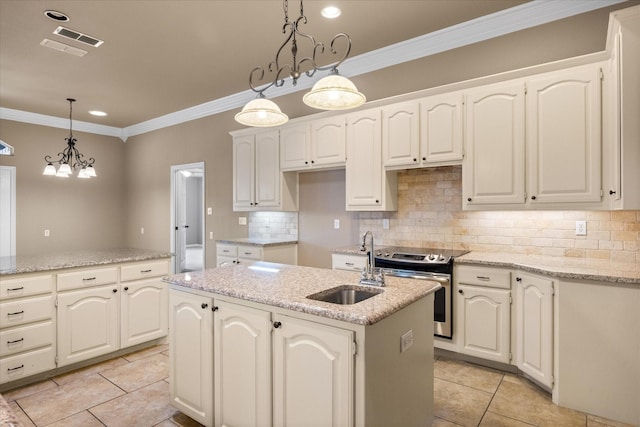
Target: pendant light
{"points": [[70, 159], [333, 92]]}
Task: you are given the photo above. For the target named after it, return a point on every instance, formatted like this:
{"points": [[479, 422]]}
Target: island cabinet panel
{"points": [[143, 311], [313, 374], [534, 327], [88, 323], [191, 355], [242, 365]]}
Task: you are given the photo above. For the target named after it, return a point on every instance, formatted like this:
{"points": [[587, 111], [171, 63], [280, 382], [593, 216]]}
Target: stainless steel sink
{"points": [[346, 294]]}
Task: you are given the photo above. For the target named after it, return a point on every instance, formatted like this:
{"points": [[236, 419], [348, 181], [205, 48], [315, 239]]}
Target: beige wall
{"points": [[80, 213]]}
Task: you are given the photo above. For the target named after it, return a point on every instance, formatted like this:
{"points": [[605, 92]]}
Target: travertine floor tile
{"points": [[439, 422], [593, 421], [530, 405], [468, 374], [89, 370], [24, 420], [141, 354], [140, 373], [459, 404], [144, 407], [25, 391], [492, 419], [56, 404], [82, 419]]}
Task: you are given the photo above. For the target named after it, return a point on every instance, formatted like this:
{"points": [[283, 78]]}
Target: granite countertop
{"points": [[286, 286], [7, 417], [560, 267], [252, 241], [71, 259]]}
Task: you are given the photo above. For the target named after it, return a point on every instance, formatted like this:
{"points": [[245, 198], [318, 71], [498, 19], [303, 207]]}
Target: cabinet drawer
{"points": [[227, 250], [348, 262], [483, 276], [26, 286], [25, 338], [26, 311], [85, 278], [26, 364], [251, 252], [144, 270]]}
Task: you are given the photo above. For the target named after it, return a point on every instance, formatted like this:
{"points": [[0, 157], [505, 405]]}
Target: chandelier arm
{"points": [[253, 86], [333, 66]]}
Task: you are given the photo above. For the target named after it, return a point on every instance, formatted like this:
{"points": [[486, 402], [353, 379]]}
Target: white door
{"points": [[143, 311], [267, 161], [88, 323], [484, 316], [534, 327], [328, 141], [313, 374], [244, 168], [191, 355], [242, 366], [401, 134], [187, 217], [441, 129], [363, 174]]}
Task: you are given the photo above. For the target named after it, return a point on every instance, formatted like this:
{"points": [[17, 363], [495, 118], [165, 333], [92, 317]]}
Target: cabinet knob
{"points": [[460, 292], [126, 288], [518, 279], [214, 308], [313, 161], [115, 290], [415, 160], [424, 159], [468, 199], [306, 163], [377, 201], [611, 192], [277, 324], [204, 305], [533, 197]]}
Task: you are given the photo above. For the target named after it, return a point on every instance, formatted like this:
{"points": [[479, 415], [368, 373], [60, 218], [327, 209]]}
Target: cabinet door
{"points": [[564, 136], [242, 366], [143, 311], [243, 172], [363, 175], [441, 129], [88, 323], [493, 170], [328, 147], [191, 355], [534, 327], [401, 134], [484, 316], [267, 150], [313, 374], [295, 146]]}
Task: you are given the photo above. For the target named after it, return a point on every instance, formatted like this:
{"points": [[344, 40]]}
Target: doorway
{"points": [[187, 217]]}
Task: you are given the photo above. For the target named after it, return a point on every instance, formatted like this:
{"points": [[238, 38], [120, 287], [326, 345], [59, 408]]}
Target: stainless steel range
{"points": [[425, 264]]}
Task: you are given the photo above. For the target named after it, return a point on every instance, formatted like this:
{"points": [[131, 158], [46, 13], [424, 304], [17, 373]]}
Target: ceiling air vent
{"points": [[61, 47], [66, 32]]}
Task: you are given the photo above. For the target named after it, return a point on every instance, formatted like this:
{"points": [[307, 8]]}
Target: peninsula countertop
{"points": [[252, 241], [287, 286], [71, 259]]}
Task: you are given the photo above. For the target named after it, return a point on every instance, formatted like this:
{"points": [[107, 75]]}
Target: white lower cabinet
{"points": [[348, 262], [87, 323], [143, 312], [313, 374], [483, 313], [534, 327], [191, 355]]}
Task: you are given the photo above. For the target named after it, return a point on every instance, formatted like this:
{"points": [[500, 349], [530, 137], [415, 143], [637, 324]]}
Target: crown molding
{"points": [[527, 15]]}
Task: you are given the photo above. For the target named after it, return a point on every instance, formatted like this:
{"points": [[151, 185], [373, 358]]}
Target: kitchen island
{"points": [[281, 357]]}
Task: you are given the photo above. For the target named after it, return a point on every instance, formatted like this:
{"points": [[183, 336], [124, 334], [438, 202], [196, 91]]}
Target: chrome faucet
{"points": [[369, 275]]}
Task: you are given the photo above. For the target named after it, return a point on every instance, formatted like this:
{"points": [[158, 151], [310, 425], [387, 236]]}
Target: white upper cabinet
{"points": [[313, 145], [493, 171], [369, 188], [401, 134], [244, 173], [268, 173], [563, 136], [441, 126]]}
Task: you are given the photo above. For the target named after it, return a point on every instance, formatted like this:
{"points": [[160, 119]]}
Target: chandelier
{"points": [[70, 158], [333, 92]]}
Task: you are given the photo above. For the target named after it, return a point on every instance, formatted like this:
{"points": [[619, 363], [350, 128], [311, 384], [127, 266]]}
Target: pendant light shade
{"points": [[334, 92], [261, 112]]}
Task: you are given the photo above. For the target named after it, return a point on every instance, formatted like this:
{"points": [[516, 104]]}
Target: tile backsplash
{"points": [[273, 225], [430, 215]]}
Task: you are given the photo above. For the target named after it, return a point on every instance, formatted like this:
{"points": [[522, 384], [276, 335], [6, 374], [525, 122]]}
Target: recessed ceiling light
{"points": [[56, 16], [331, 12], [97, 113]]}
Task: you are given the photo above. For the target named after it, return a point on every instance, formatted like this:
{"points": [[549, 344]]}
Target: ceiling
{"points": [[160, 57]]}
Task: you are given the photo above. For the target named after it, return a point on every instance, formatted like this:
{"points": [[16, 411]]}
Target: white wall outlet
{"points": [[46, 233], [406, 341], [141, 230], [581, 228], [242, 220], [209, 211], [385, 224], [211, 235], [336, 224]]}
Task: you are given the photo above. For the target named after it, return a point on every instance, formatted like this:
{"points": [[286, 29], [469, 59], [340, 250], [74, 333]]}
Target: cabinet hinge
{"points": [[553, 381], [601, 193], [601, 74], [354, 348], [526, 89], [553, 289], [510, 357], [56, 303], [510, 299], [56, 360]]}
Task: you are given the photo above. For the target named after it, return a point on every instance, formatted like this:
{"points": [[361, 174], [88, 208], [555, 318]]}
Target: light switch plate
{"points": [[336, 224], [242, 220], [581, 228]]}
